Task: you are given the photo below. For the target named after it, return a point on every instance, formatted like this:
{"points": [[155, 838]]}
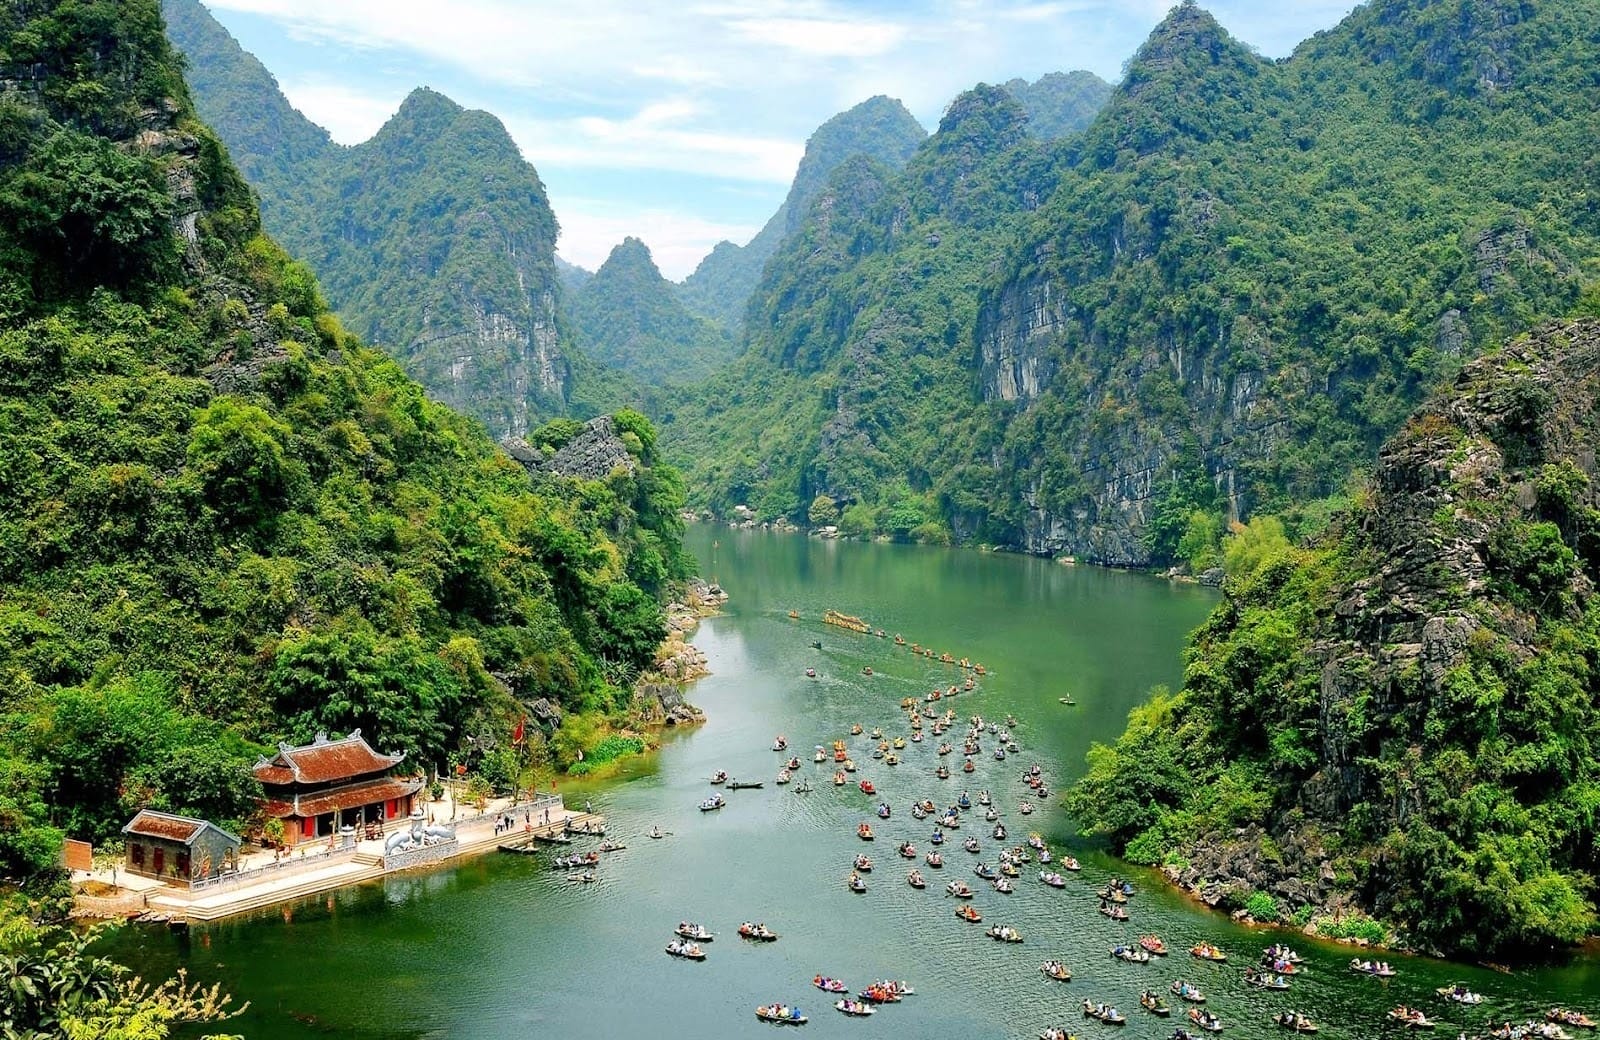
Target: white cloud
{"points": [[591, 228], [655, 139], [821, 37], [348, 114]]}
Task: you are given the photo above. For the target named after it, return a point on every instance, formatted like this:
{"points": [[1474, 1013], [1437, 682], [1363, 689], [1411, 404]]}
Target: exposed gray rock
{"points": [[594, 454]]}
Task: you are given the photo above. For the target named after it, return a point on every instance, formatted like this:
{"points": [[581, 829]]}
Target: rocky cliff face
{"points": [[1415, 688]]}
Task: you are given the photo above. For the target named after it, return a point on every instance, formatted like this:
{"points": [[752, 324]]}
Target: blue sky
{"points": [[681, 122]]}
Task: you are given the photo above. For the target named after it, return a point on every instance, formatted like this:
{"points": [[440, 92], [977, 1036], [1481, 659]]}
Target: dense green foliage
{"points": [[1219, 298], [879, 128], [434, 239], [1061, 103], [53, 984], [630, 318], [223, 520], [1410, 697]]}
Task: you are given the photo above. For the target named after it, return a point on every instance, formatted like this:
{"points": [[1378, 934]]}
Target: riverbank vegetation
{"points": [[225, 521], [1397, 716]]}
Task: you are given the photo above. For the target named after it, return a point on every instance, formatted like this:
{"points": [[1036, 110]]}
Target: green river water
{"points": [[503, 946]]}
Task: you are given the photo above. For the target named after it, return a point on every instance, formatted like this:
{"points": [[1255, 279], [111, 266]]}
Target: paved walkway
{"points": [[365, 863]]}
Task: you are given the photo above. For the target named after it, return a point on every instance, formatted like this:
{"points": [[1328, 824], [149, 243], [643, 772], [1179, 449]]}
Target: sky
{"points": [[680, 122]]}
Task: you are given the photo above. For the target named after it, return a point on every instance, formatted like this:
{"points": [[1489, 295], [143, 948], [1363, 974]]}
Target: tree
{"points": [[824, 511], [237, 450], [1249, 546]]}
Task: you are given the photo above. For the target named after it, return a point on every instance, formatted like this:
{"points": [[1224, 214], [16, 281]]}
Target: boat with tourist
{"points": [[686, 949], [1279, 952], [855, 883], [1154, 1004], [1130, 954], [934, 860], [697, 932], [1296, 1021], [1153, 945], [1410, 1017], [1458, 993], [1207, 952], [969, 913], [959, 889], [757, 932], [1265, 979], [1206, 1020], [1185, 991], [916, 880], [1003, 933], [781, 1014], [1056, 970], [829, 985], [1378, 969], [1568, 1017], [1052, 879], [1106, 1013], [863, 863], [855, 1007], [716, 801]]}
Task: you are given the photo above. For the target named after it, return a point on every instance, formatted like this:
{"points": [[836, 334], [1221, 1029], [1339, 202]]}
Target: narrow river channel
{"points": [[504, 946]]}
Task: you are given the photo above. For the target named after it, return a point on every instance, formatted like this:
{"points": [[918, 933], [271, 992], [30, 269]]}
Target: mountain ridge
{"points": [[1216, 302]]}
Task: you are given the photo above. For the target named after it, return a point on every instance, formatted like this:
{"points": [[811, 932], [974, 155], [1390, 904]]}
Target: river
{"points": [[503, 946]]}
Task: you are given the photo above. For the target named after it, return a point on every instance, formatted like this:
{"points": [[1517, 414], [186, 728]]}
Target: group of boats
{"points": [[977, 739], [689, 936], [867, 1002]]}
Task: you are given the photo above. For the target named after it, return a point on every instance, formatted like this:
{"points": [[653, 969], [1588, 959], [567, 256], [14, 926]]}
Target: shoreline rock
{"points": [[658, 695]]}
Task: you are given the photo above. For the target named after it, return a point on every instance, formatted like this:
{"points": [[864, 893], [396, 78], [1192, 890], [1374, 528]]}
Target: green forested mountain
{"points": [[1216, 302], [629, 318], [225, 521], [573, 278], [270, 141], [1060, 103], [1401, 715], [879, 128], [435, 240]]}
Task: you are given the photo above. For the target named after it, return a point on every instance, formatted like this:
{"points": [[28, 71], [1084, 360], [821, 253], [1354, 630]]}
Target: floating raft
{"points": [[521, 850], [854, 624]]}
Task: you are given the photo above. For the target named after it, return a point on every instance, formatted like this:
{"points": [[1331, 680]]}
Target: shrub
{"points": [[1261, 906]]}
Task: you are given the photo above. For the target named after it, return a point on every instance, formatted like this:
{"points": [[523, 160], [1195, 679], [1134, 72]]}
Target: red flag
{"points": [[516, 734]]}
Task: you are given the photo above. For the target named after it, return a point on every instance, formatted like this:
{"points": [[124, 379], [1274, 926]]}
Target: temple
{"points": [[319, 787]]}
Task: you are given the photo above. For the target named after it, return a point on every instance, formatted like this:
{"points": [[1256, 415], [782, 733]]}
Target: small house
{"points": [[177, 848]]}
